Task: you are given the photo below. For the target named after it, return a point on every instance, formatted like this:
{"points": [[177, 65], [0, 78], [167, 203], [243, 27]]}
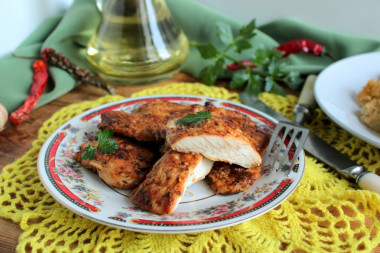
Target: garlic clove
{"points": [[3, 116]]}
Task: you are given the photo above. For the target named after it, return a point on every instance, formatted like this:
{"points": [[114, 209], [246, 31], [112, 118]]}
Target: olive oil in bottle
{"points": [[137, 41]]}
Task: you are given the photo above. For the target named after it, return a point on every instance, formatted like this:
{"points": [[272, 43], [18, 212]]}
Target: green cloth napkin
{"points": [[69, 34]]}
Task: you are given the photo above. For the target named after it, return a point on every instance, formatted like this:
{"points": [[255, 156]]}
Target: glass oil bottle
{"points": [[136, 42]]}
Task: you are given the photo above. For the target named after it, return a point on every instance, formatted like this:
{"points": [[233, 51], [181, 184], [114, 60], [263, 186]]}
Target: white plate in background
{"points": [[336, 90]]}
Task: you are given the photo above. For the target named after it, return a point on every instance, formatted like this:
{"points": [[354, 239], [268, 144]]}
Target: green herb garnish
{"points": [[105, 144], [270, 69], [194, 119]]}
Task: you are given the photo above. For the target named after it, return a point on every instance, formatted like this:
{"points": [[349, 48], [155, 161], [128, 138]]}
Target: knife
{"points": [[323, 151]]}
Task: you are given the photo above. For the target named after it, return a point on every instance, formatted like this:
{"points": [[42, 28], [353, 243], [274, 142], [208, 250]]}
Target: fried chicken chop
{"points": [[218, 139], [213, 139], [229, 179], [126, 168], [147, 123], [166, 183]]}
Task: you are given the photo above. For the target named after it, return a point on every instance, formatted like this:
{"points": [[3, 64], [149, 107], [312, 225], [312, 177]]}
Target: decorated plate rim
{"points": [[283, 191]]}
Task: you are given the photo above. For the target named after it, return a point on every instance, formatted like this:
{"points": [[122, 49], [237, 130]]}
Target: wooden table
{"points": [[14, 142]]}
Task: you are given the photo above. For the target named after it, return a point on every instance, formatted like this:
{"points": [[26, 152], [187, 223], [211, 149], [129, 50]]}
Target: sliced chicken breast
{"points": [[229, 179], [167, 182], [218, 139], [126, 168]]}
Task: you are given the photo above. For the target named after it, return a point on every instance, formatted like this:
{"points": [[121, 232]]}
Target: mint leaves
{"points": [[267, 72], [105, 143], [194, 119]]}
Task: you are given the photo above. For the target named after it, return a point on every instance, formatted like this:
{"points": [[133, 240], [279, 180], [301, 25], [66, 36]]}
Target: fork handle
{"points": [[370, 181]]}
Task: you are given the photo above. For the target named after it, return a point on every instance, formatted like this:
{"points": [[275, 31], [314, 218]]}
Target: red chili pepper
{"points": [[298, 45], [40, 79], [236, 66], [291, 47]]}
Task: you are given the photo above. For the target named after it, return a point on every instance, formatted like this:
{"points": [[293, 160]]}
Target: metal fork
{"points": [[283, 139]]}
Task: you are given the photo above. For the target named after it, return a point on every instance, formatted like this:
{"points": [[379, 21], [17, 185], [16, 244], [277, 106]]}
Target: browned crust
{"points": [[126, 168], [227, 179], [147, 123], [147, 128], [257, 138], [222, 127], [239, 119], [165, 183]]}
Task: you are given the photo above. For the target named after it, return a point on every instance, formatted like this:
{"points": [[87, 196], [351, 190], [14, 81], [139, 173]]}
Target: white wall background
{"points": [[357, 17], [18, 18]]}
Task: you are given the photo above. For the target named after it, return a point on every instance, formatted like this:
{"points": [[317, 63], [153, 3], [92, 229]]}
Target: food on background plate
{"points": [[369, 99], [370, 114], [167, 182], [370, 91], [126, 168], [192, 138]]}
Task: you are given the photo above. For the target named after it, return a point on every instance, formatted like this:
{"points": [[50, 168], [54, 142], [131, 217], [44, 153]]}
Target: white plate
{"points": [[336, 90], [83, 192]]}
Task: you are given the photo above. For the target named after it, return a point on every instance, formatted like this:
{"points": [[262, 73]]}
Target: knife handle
{"points": [[370, 181], [307, 93], [306, 102]]}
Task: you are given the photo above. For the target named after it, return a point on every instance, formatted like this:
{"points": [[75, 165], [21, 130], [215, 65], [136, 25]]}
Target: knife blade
{"points": [[323, 151]]}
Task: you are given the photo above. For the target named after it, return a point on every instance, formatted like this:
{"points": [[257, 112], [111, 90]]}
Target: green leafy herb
{"points": [[270, 69], [224, 33], [106, 145], [89, 152], [194, 119]]}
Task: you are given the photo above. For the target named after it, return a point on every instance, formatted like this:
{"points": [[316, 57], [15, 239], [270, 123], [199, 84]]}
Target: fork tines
{"points": [[286, 138]]}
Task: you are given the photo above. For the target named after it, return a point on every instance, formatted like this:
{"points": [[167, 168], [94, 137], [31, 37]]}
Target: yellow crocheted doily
{"points": [[325, 214]]}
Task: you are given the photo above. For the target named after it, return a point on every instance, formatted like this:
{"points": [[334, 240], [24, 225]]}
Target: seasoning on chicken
{"points": [[257, 138], [218, 139], [126, 168], [147, 123], [166, 183], [229, 179], [241, 120]]}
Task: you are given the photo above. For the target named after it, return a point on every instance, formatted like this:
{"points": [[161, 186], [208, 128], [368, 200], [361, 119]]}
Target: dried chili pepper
{"points": [[301, 45], [237, 66], [291, 47], [40, 80], [80, 74]]}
